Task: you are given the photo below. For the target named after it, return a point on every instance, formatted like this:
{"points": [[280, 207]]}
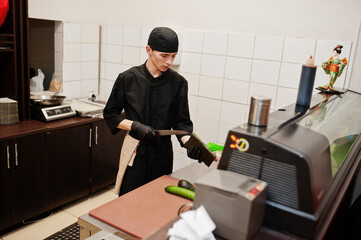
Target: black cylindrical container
{"points": [[306, 85]]}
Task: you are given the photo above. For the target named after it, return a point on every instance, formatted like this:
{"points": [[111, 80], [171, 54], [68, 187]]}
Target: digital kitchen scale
{"points": [[51, 113]]}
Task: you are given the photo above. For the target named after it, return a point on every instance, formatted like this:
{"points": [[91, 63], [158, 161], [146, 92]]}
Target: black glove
{"points": [[143, 131], [195, 153]]}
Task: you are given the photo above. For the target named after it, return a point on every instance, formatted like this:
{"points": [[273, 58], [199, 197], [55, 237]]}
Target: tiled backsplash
{"points": [[223, 70]]}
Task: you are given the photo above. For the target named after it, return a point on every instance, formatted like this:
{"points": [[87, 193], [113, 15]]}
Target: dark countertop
{"points": [[24, 128]]}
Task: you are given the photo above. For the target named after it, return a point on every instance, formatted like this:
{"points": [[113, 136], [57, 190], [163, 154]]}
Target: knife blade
{"points": [[170, 132]]}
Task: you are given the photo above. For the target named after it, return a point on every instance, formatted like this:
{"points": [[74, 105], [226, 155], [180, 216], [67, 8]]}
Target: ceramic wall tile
{"points": [[285, 97], [90, 33], [238, 68], [58, 27], [324, 50], [213, 65], [256, 89], [58, 62], [103, 52], [193, 41], [192, 103], [72, 32], [102, 70], [191, 63], [208, 108], [176, 146], [131, 55], [72, 89], [193, 82], [232, 112], [290, 75], [241, 45], [89, 85], [143, 56], [268, 47], [113, 53], [215, 43], [90, 70], [144, 35], [235, 91], [112, 71], [223, 130], [125, 67], [131, 36], [298, 50], [321, 77], [210, 87], [72, 52], [265, 72], [207, 129], [58, 42], [180, 160], [114, 35], [90, 52], [105, 89], [71, 71]]}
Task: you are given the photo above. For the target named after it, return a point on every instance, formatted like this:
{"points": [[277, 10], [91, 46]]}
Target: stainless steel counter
{"points": [[94, 229]]}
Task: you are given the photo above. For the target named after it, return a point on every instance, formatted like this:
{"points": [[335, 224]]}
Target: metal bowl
{"points": [[47, 100]]}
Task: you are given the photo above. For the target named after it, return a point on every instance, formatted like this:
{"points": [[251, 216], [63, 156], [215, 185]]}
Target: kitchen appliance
{"points": [[304, 154], [47, 100], [234, 202], [45, 113], [47, 106]]}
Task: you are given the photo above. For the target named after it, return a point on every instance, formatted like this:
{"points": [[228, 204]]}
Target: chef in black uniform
{"points": [[153, 97]]}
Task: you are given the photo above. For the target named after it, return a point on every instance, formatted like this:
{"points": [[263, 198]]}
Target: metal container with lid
{"points": [[259, 111]]}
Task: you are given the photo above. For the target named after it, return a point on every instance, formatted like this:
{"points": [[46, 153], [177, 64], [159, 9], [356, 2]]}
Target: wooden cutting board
{"points": [[144, 210]]}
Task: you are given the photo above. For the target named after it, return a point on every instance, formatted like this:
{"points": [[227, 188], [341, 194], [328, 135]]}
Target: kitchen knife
{"points": [[170, 132]]}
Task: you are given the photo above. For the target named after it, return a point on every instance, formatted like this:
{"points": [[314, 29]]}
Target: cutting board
{"points": [[144, 210]]}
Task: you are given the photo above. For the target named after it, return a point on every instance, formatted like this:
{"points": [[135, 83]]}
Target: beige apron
{"points": [[127, 156]]}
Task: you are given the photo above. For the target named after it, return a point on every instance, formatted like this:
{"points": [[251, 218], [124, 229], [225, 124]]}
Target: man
{"points": [[153, 97]]}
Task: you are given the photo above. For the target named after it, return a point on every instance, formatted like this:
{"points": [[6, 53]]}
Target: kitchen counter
{"points": [[94, 229], [12, 131]]}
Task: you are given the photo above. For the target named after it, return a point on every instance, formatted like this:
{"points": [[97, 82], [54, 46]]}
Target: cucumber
{"points": [[183, 192], [185, 184]]}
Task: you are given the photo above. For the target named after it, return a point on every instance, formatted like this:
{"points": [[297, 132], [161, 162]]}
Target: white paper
{"points": [[193, 225]]}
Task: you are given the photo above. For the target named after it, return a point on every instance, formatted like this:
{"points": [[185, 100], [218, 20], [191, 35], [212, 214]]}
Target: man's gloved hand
{"points": [[195, 153], [144, 131]]}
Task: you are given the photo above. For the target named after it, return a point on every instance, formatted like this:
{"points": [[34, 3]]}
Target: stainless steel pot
{"points": [[47, 100]]}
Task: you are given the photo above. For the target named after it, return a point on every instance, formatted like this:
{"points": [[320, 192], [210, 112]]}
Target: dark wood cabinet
{"points": [[46, 165], [22, 186], [6, 198], [14, 69], [68, 164], [105, 155]]}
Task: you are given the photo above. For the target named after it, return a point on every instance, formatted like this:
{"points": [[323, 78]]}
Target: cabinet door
{"points": [[68, 164], [6, 218], [28, 176], [105, 156]]}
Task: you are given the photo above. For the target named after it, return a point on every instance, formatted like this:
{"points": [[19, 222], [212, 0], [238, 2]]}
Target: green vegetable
{"points": [[215, 147], [183, 192], [185, 184]]}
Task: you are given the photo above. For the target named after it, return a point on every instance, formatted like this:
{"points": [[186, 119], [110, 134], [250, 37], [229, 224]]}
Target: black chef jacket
{"points": [[161, 103]]}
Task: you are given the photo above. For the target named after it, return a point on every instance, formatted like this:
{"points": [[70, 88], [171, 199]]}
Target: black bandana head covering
{"points": [[163, 39]]}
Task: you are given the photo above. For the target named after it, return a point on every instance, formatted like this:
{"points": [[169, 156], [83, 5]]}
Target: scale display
{"points": [[52, 113]]}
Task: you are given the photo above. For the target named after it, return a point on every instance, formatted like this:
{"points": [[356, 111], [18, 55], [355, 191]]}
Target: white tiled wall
{"points": [[80, 58], [223, 70]]}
